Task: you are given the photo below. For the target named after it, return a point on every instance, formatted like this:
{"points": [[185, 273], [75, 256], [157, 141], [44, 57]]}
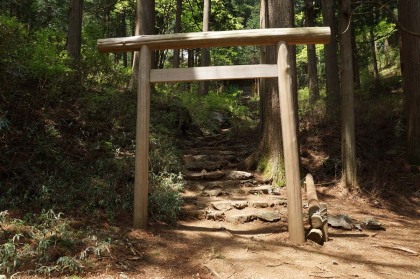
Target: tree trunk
{"points": [[145, 25], [386, 52], [356, 68], [205, 52], [408, 11], [269, 157], [348, 142], [331, 61], [190, 63], [374, 59], [175, 61], [74, 35], [124, 33], [191, 58], [263, 60], [312, 69]]}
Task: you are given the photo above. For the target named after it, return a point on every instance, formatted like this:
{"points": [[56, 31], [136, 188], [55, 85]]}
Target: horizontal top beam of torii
{"points": [[269, 36]]}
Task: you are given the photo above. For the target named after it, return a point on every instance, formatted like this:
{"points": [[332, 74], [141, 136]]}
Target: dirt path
{"points": [[235, 226]]}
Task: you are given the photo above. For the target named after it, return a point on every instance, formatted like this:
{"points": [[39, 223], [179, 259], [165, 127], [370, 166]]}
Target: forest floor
{"points": [[235, 223]]}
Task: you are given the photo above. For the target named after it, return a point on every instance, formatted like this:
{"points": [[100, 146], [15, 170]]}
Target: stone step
{"points": [[206, 165], [232, 216], [188, 158], [219, 150], [251, 215], [215, 175], [204, 175], [265, 189], [233, 210], [239, 175], [217, 191], [226, 205]]}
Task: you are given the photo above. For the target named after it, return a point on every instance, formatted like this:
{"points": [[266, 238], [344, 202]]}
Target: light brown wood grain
{"points": [[214, 73], [290, 147], [141, 181], [270, 36]]}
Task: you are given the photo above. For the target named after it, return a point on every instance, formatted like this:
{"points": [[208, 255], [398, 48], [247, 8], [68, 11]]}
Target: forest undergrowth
{"points": [[67, 168]]}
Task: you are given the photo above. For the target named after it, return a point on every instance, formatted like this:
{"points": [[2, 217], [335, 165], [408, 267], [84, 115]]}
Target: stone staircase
{"points": [[217, 190]]}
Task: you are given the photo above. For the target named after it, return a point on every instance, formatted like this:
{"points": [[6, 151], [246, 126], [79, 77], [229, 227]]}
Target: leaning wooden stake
{"points": [[290, 147], [317, 213], [141, 180], [313, 203]]}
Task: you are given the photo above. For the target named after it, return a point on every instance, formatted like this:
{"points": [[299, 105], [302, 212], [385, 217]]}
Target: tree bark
{"points": [[269, 157], [191, 58], [409, 18], [374, 57], [205, 52], [145, 25], [176, 61], [263, 60], [331, 61], [386, 52], [74, 35], [348, 142], [356, 68], [124, 32], [311, 51]]}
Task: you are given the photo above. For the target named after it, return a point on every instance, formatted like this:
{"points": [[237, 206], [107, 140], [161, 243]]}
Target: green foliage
{"points": [[49, 14], [69, 263], [302, 64], [273, 168], [165, 200], [36, 57], [9, 255], [203, 109], [225, 15], [100, 70], [49, 60], [164, 155], [101, 181], [13, 50], [47, 245]]}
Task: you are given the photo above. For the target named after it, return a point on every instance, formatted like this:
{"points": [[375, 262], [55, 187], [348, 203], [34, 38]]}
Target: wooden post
{"points": [[141, 181], [313, 203], [291, 155]]}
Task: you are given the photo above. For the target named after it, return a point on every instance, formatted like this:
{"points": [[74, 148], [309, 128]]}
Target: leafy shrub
{"points": [[46, 245], [204, 109], [100, 70], [49, 60], [165, 200], [14, 52]]}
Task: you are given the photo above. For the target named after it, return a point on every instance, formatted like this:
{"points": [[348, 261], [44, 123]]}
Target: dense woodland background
{"points": [[67, 112]]}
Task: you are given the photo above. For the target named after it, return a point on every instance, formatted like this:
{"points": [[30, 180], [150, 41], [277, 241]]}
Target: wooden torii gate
{"points": [[279, 37]]}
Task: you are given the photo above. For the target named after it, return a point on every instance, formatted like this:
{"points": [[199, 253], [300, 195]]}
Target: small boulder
{"points": [[269, 216], [222, 205], [212, 193], [239, 204], [240, 175], [240, 218], [215, 215], [260, 204], [340, 221], [261, 190]]}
